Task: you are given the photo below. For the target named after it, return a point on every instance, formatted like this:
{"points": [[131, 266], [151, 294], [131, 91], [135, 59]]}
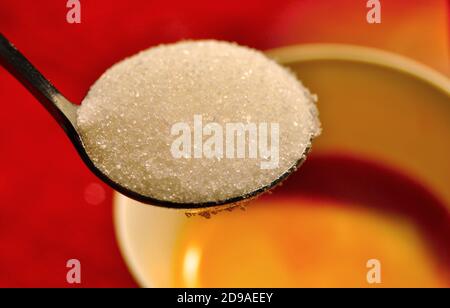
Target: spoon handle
{"points": [[59, 107]]}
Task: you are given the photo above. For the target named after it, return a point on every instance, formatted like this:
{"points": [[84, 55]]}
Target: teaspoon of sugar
{"points": [[66, 114]]}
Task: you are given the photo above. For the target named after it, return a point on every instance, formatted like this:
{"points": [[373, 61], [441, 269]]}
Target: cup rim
{"points": [[361, 54], [285, 55]]}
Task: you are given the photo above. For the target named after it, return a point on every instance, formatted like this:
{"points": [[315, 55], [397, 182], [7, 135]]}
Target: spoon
{"points": [[65, 113]]}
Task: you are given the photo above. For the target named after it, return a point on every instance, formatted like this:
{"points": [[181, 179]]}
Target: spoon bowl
{"points": [[65, 113]]}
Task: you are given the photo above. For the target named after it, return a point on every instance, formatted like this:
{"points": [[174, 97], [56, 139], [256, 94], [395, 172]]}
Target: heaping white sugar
{"points": [[157, 122]]}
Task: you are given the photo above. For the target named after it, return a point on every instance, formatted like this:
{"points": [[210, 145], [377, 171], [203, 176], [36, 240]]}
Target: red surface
{"points": [[46, 214]]}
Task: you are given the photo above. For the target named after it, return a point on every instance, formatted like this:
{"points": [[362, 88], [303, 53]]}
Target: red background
{"points": [[50, 210]]}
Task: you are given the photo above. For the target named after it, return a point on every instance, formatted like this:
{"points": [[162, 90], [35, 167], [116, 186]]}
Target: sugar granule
{"points": [[125, 120]]}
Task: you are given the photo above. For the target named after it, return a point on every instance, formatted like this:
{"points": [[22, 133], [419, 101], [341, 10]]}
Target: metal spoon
{"points": [[65, 113]]}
